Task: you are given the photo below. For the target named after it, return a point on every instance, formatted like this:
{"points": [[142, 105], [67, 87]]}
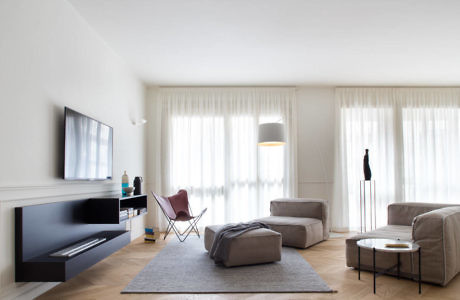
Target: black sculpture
{"points": [[366, 167]]}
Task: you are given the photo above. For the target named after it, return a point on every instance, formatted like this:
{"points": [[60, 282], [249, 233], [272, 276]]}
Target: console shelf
{"points": [[46, 228], [48, 268], [134, 217], [107, 210]]}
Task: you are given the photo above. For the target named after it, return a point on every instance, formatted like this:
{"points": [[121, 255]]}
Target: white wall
{"points": [[50, 58], [315, 152]]}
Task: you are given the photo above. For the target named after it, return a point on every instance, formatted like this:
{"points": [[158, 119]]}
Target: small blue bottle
{"points": [[124, 183]]}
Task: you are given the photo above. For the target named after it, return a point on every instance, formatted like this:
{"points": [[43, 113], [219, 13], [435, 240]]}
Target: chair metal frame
{"points": [[193, 221]]}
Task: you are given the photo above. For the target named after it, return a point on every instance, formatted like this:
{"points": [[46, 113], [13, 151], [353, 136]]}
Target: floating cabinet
{"points": [[106, 210], [41, 230]]}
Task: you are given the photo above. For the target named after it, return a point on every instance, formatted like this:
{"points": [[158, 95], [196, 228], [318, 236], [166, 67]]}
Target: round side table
{"points": [[379, 245]]}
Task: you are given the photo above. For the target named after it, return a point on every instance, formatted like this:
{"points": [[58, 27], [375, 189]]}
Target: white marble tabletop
{"points": [[379, 245]]}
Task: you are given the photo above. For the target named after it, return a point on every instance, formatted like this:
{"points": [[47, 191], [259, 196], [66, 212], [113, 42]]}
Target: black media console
{"points": [[47, 228]]}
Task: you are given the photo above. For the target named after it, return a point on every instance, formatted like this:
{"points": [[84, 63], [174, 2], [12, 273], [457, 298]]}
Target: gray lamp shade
{"points": [[271, 134]]}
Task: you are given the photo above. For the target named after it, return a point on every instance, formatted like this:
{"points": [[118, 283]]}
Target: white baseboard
{"points": [[27, 290]]}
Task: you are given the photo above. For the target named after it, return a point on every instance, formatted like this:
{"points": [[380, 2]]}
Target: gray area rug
{"points": [[187, 268]]}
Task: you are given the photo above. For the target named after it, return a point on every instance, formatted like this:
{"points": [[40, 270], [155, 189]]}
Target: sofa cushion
{"points": [[384, 260], [404, 233], [296, 232], [435, 229], [253, 247], [302, 208], [404, 213], [437, 232], [179, 203]]}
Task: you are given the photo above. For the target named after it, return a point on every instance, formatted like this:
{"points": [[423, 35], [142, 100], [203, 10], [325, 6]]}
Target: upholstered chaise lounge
{"points": [[302, 222], [435, 227]]}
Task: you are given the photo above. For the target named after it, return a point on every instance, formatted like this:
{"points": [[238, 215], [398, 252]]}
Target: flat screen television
{"points": [[88, 148]]}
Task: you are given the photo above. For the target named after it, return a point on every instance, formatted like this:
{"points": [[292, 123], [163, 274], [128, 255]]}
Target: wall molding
{"points": [[315, 182], [58, 190]]}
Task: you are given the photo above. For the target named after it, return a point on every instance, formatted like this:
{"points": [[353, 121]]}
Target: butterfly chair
{"points": [[176, 208]]}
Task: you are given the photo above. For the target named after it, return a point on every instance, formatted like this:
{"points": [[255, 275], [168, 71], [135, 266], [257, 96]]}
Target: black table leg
{"points": [[399, 262], [420, 270], [359, 263], [373, 263]]}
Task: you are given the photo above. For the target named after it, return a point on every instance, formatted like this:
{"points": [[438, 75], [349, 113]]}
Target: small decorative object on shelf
{"points": [[366, 167], [137, 185], [124, 183], [128, 190]]}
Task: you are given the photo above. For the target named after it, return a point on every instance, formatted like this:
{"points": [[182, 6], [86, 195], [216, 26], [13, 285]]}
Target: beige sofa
{"points": [[302, 222], [435, 227]]}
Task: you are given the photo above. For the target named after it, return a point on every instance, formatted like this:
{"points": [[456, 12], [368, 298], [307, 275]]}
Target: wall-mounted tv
{"points": [[88, 148]]}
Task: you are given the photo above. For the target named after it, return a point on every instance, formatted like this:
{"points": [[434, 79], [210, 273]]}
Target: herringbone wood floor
{"points": [[106, 279]]}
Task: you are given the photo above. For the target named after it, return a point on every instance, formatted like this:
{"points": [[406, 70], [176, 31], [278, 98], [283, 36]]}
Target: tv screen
{"points": [[88, 148]]}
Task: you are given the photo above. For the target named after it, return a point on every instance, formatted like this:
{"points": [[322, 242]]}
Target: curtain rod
{"points": [[306, 86], [227, 86], [397, 86]]}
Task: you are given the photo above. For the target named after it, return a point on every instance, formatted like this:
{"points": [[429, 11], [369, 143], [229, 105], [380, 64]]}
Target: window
{"points": [[431, 153], [207, 144], [369, 128], [217, 160], [413, 135]]}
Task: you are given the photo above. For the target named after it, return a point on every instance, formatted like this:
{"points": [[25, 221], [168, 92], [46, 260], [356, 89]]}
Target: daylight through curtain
{"points": [[209, 147], [413, 135]]}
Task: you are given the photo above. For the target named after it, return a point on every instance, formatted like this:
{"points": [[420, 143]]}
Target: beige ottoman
{"points": [[253, 247]]}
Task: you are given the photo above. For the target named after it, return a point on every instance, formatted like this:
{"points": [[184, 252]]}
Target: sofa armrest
{"points": [[404, 213], [302, 208], [437, 232]]}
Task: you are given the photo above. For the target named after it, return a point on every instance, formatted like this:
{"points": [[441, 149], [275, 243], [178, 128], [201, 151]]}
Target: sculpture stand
{"points": [[367, 205]]}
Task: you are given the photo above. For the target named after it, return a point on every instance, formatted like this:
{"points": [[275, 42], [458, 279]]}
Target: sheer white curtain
{"points": [[209, 147], [431, 142], [414, 141], [366, 121]]}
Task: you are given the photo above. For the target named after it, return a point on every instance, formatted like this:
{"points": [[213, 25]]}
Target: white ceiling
{"points": [[282, 42]]}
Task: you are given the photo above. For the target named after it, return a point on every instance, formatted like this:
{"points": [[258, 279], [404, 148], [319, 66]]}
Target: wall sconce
{"points": [[139, 122]]}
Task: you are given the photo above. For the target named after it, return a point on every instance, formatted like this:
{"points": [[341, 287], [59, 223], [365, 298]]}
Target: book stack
{"points": [[129, 211], [123, 215], [150, 235], [140, 211]]}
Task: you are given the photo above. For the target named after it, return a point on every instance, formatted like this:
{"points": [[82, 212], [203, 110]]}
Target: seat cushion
{"points": [[295, 231], [384, 260], [302, 208], [253, 247], [404, 233]]}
